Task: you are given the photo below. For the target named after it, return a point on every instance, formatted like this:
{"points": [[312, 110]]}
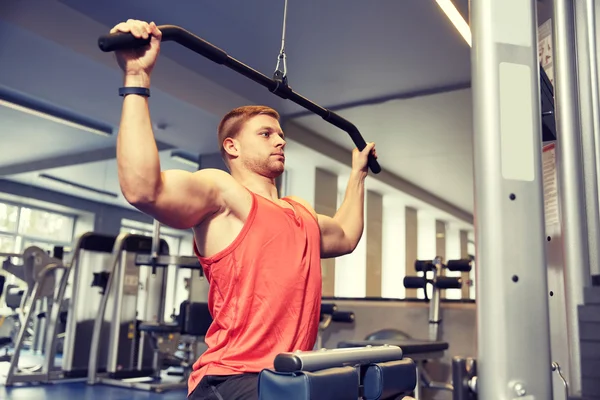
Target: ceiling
{"points": [[397, 69]]}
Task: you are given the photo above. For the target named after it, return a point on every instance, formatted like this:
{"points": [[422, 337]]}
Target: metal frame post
{"points": [[593, 50], [585, 83], [512, 314], [570, 178]]}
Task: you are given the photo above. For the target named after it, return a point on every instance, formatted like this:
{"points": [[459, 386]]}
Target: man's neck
{"points": [[258, 184]]}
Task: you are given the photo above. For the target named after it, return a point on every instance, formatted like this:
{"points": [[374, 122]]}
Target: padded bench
{"points": [[412, 348], [374, 373]]}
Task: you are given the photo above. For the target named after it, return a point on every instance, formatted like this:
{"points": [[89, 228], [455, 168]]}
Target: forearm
{"points": [[137, 153], [350, 215]]}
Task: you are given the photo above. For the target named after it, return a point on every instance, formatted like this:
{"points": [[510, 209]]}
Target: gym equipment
{"points": [[194, 320], [370, 373], [89, 255], [329, 314], [40, 271], [88, 270], [277, 86], [423, 350], [513, 322], [438, 282], [138, 345]]}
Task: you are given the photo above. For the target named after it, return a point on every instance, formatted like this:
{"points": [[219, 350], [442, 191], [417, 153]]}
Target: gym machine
{"points": [[514, 357], [437, 282], [329, 314], [511, 113], [139, 347], [86, 265], [39, 273], [277, 85], [88, 270], [368, 373], [519, 339], [422, 350]]}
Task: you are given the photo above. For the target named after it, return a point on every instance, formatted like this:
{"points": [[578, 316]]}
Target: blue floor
{"points": [[83, 391]]}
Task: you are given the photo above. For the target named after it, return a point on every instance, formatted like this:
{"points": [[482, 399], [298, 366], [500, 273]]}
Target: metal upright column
{"points": [[513, 357], [570, 179], [593, 50], [587, 86]]}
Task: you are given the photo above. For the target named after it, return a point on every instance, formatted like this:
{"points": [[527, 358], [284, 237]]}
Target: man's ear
{"points": [[231, 147]]}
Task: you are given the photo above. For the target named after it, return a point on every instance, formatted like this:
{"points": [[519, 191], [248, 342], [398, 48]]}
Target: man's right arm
{"points": [[179, 199]]}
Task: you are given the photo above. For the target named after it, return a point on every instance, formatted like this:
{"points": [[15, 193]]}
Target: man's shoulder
{"points": [[232, 194], [214, 173], [304, 203], [222, 179]]}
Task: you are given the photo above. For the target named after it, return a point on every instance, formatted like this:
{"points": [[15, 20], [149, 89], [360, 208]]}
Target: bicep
{"points": [[185, 198], [333, 238]]}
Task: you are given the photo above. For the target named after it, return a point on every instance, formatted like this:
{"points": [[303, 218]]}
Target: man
{"points": [[260, 253]]}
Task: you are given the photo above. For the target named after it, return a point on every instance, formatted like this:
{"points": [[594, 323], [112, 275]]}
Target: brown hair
{"points": [[232, 123]]}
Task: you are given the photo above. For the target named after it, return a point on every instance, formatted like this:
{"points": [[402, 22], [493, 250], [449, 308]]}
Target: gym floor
{"points": [[82, 391], [78, 390]]}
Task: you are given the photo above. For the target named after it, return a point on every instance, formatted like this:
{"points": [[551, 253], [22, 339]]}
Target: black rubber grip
{"points": [[122, 41], [357, 138], [424, 265], [343, 316], [447, 282], [328, 308], [414, 282], [460, 265]]}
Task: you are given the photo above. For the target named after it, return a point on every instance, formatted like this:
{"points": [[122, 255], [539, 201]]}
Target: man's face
{"points": [[262, 146]]}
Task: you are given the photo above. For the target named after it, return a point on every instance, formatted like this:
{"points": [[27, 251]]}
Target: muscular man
{"points": [[260, 253]]}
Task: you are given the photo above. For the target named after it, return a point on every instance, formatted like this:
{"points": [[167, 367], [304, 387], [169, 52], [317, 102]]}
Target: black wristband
{"points": [[124, 91]]}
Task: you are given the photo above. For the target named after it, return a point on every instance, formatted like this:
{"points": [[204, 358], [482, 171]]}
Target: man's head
{"points": [[251, 138]]}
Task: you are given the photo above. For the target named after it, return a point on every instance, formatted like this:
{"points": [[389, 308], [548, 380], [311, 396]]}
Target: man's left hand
{"points": [[361, 158]]}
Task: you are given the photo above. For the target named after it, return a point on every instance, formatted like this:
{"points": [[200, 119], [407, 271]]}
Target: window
{"points": [[21, 227], [44, 224], [8, 217], [7, 244]]}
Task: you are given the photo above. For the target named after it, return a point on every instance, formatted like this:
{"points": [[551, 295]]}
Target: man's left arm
{"points": [[341, 233]]}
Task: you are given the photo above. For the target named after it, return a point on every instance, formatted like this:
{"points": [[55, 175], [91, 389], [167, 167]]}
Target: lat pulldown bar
{"points": [[121, 41]]}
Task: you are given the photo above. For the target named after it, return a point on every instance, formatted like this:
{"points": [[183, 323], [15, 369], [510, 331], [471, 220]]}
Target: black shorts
{"points": [[227, 387]]}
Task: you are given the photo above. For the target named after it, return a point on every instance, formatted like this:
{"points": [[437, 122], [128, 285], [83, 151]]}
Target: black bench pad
{"points": [[408, 346]]}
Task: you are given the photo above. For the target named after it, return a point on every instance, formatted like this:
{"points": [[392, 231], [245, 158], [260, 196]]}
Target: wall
{"points": [[326, 188]]}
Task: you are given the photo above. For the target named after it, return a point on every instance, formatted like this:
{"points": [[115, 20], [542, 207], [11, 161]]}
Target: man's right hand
{"points": [[137, 64]]}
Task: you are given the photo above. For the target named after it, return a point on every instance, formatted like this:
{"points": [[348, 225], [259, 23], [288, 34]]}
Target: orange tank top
{"points": [[264, 291]]}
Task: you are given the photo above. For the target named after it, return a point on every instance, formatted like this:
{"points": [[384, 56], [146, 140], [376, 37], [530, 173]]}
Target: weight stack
{"points": [[589, 342]]}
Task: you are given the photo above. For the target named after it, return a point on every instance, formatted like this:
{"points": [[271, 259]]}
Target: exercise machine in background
{"points": [[132, 344], [329, 314], [38, 315], [422, 350]]}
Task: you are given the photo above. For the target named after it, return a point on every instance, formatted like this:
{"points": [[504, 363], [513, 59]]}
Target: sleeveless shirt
{"points": [[264, 291]]}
